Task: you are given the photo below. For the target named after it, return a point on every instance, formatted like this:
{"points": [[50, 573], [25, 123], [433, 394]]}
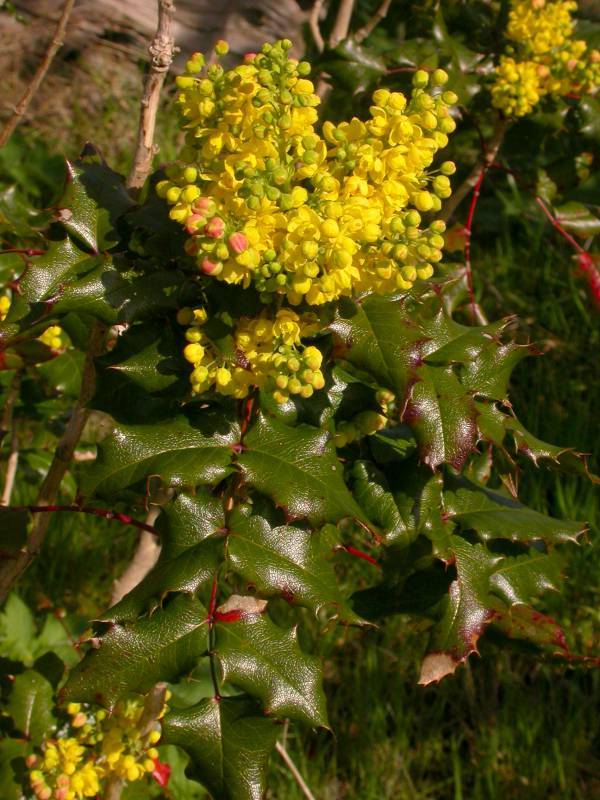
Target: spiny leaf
{"points": [[289, 562], [183, 452], [466, 612], [94, 198], [30, 705], [228, 741], [443, 417], [264, 660], [185, 574], [525, 623], [496, 515], [298, 469], [520, 579], [134, 656], [188, 520]]}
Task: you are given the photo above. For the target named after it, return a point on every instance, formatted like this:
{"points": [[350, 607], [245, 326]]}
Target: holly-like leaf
{"points": [[183, 452], [30, 705], [64, 372], [520, 579], [496, 515], [288, 562], [185, 574], [466, 612], [298, 468], [188, 520], [94, 198], [132, 657], [435, 366], [229, 741], [265, 660]]}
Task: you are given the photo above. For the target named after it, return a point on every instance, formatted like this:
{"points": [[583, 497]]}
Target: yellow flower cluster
{"points": [[264, 352], [545, 59], [4, 306], [312, 216], [91, 749], [53, 338]]}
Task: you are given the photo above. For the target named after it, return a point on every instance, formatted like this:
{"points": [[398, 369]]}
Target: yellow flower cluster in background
{"points": [[91, 749], [270, 202], [54, 338], [4, 306], [304, 216], [545, 59]]}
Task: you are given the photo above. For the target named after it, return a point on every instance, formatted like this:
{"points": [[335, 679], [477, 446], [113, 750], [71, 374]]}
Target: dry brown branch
{"points": [[313, 24], [12, 568], [40, 73], [303, 786], [368, 28], [483, 164], [144, 558], [342, 23], [161, 57]]}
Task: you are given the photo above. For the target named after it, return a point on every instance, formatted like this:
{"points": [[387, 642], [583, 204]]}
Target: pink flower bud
{"points": [[211, 267], [192, 223], [201, 205], [249, 57], [238, 242], [214, 228]]}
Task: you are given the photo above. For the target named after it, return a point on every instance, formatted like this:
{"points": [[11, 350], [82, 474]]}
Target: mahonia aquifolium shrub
{"points": [[304, 216], [543, 59], [91, 748]]}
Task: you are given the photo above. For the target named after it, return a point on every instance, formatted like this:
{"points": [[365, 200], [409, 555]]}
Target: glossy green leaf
{"points": [[134, 656], [298, 468], [94, 198], [288, 562], [496, 515], [182, 452], [520, 579], [228, 741], [466, 612], [266, 661]]}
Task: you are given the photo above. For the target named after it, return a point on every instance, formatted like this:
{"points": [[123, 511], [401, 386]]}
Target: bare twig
{"points": [[105, 513], [368, 28], [488, 158], [52, 49], [161, 56], [295, 772], [144, 558], [342, 23], [12, 568], [313, 24], [11, 468]]}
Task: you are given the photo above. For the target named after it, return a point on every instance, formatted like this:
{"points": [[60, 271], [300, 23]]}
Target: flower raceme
{"points": [[92, 748], [303, 215], [544, 58]]}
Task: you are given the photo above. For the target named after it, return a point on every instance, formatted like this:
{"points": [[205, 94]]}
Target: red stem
{"points": [[353, 551], [26, 252], [98, 512], [556, 224]]}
